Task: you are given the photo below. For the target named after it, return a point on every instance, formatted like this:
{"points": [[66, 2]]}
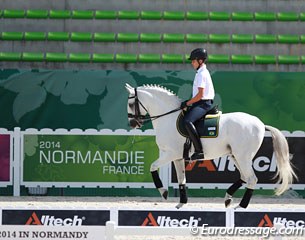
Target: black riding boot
{"points": [[198, 154]]}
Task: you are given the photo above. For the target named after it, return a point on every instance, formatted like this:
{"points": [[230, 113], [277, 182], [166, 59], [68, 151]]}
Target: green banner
{"points": [[97, 99], [88, 158], [274, 97]]}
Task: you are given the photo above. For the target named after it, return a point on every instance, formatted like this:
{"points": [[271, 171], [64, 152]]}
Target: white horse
{"points": [[240, 136]]}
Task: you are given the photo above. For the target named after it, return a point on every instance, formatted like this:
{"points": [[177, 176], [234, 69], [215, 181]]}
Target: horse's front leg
{"points": [[180, 170], [164, 158]]}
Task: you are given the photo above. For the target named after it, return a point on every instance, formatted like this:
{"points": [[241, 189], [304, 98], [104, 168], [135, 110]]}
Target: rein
{"points": [[144, 118]]}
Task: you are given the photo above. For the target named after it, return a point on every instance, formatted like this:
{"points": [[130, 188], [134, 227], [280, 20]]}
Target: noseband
{"points": [[138, 117]]}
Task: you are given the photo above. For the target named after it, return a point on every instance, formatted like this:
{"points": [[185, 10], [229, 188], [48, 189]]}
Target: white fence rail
{"points": [[17, 163], [112, 231]]}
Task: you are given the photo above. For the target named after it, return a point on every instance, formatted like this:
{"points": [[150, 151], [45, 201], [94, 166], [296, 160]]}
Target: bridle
{"points": [[141, 119]]}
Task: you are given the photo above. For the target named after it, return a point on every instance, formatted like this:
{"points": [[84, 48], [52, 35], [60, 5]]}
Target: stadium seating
{"points": [[79, 57], [35, 36], [242, 59], [196, 16], [81, 36], [196, 38], [170, 15], [265, 16], [81, 14], [265, 38], [56, 57], [148, 58], [242, 38], [152, 37], [13, 13], [59, 14], [58, 36], [13, 36], [37, 13], [153, 15], [242, 16], [102, 58], [173, 37], [127, 37], [126, 58], [10, 56], [104, 36]]}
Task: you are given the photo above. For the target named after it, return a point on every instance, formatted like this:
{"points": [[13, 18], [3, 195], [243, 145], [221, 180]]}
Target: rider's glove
{"points": [[183, 104]]}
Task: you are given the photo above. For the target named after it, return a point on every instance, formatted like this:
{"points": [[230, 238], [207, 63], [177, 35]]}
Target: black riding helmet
{"points": [[199, 53]]}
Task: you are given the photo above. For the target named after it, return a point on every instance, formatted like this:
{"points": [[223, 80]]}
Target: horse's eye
{"points": [[130, 105]]}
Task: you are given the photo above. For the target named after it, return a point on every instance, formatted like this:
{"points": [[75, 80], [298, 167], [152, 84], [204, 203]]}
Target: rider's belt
{"points": [[202, 101]]}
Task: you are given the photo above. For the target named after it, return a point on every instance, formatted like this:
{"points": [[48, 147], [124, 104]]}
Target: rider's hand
{"points": [[183, 104]]}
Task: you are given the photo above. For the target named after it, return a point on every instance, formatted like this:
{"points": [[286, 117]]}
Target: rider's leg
{"points": [[193, 134], [193, 115]]}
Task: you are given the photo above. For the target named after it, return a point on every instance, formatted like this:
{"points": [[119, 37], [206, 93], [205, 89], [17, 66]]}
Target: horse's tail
{"points": [[285, 172]]}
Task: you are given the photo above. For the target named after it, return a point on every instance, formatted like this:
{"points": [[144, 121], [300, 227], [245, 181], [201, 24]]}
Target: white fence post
{"points": [[278, 226], [110, 225]]}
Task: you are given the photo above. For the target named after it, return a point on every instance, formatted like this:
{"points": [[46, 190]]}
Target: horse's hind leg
{"points": [[247, 174], [235, 186], [231, 190]]}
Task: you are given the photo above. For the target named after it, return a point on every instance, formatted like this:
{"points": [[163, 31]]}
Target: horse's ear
{"points": [[129, 88]]}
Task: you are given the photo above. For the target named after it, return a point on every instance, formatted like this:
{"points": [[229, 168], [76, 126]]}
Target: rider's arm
{"points": [[197, 98]]}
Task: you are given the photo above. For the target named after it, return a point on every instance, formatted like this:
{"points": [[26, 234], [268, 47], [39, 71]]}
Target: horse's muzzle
{"points": [[134, 123]]}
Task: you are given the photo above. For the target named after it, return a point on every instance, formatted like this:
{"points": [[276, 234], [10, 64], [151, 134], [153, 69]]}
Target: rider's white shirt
{"points": [[203, 80]]}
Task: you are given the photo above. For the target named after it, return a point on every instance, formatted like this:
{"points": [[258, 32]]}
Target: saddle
{"points": [[207, 126]]}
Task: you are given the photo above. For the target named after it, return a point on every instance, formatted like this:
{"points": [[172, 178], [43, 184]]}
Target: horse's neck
{"points": [[159, 102]]}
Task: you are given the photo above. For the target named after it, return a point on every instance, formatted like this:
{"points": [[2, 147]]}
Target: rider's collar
{"points": [[200, 69]]}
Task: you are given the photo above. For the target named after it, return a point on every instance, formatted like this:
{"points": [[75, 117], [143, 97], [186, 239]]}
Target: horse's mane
{"points": [[159, 89]]}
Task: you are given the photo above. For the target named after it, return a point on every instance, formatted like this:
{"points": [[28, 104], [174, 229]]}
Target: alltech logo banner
{"points": [[223, 170], [55, 217], [269, 219], [171, 218]]}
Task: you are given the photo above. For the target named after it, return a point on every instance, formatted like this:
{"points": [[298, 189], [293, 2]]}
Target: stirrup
{"points": [[197, 156]]}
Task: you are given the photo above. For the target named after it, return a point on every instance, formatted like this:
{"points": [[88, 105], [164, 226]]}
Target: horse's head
{"points": [[134, 108], [158, 100]]}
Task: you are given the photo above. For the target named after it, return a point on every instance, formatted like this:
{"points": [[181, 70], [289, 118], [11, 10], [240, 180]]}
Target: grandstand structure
{"points": [[254, 35]]}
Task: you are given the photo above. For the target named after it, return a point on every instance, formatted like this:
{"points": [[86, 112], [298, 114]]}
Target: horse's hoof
{"points": [[165, 195], [163, 192], [179, 205], [228, 200], [238, 207]]}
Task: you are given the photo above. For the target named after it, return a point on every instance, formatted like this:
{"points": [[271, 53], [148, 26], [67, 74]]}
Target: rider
{"points": [[201, 101]]}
